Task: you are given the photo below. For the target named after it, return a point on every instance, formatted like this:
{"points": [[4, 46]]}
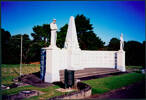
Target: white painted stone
{"points": [[53, 28], [121, 60], [63, 59], [71, 41], [121, 42], [71, 57]]}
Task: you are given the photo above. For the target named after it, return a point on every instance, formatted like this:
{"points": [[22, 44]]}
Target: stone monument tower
{"points": [[71, 41]]}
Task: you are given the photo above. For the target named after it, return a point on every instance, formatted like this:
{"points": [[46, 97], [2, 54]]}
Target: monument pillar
{"points": [[121, 56], [121, 60], [72, 46], [52, 66]]}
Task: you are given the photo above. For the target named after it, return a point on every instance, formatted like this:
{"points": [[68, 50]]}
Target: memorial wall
{"points": [[73, 58]]}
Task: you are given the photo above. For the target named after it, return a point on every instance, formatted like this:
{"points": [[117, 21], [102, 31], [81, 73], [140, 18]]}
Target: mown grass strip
{"points": [[28, 87], [18, 65], [134, 67], [106, 84], [11, 71], [47, 92]]}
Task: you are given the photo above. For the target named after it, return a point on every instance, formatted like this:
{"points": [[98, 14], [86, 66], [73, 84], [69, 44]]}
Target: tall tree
{"points": [[134, 53], [114, 44], [26, 48], [86, 37], [41, 33], [41, 38], [83, 24], [5, 38], [143, 54], [15, 46], [61, 36]]}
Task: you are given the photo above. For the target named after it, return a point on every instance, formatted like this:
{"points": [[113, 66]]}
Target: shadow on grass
{"points": [[34, 79], [60, 84]]}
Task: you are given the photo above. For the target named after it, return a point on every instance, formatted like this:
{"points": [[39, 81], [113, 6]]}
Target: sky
{"points": [[109, 18]]}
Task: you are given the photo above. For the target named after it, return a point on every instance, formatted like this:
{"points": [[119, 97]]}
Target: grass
{"points": [[46, 92], [99, 86], [106, 84], [134, 67], [12, 71]]}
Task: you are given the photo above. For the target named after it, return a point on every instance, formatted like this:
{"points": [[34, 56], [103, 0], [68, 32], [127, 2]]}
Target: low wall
{"points": [[84, 92], [79, 59], [96, 59]]}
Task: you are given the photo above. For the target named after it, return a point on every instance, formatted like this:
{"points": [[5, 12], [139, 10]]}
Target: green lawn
{"points": [[134, 67], [12, 71], [99, 86], [106, 84], [46, 92]]}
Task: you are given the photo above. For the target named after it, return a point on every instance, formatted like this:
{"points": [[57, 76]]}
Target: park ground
{"points": [[110, 87]]}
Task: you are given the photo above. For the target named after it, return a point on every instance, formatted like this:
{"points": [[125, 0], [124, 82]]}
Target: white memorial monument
{"points": [[71, 57], [71, 41]]}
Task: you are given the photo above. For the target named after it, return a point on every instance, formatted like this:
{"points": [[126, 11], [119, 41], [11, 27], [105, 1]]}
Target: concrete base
{"points": [[51, 47]]}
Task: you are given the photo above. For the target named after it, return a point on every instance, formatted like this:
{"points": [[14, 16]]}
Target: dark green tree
{"points": [[86, 37], [26, 48], [82, 24], [134, 53], [114, 44], [41, 38], [61, 35], [5, 38], [144, 54], [40, 34], [15, 46]]}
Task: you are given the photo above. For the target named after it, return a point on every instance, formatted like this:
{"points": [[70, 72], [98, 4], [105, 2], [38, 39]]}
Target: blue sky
{"points": [[109, 18]]}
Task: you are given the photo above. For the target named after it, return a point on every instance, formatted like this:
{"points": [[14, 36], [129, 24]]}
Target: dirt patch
{"points": [[66, 90], [34, 62]]}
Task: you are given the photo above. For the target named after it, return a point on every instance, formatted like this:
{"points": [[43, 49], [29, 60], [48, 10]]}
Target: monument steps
{"points": [[90, 72], [90, 69]]}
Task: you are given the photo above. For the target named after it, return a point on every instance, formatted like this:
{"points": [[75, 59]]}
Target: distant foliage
{"points": [[61, 35], [86, 37], [88, 40], [114, 44], [41, 34], [5, 38], [134, 53]]}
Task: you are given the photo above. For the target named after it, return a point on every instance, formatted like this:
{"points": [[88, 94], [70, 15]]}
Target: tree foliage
{"points": [[86, 37], [61, 36], [134, 53], [11, 48], [88, 40], [41, 34], [41, 38], [114, 44], [5, 38]]}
